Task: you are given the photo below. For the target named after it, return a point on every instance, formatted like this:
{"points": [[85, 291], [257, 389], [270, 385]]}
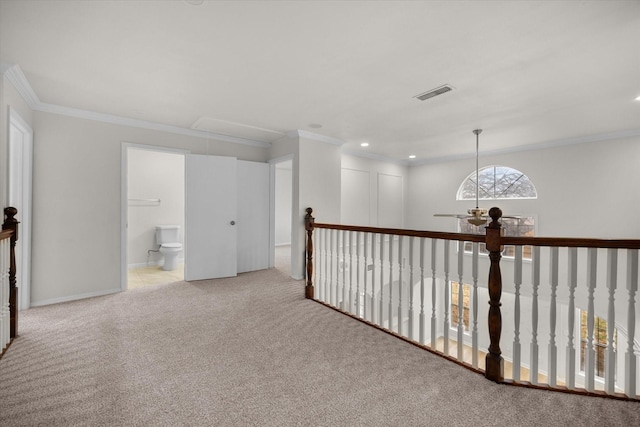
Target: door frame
{"points": [[24, 190], [272, 210], [124, 197]]}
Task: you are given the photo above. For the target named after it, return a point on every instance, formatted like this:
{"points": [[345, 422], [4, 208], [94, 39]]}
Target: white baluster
{"points": [[374, 312], [447, 296], [411, 287], [338, 258], [610, 359], [460, 301], [345, 233], [390, 320], [517, 269], [422, 319], [382, 260], [326, 234], [535, 282], [317, 239], [592, 263], [630, 357], [553, 349], [330, 275], [364, 301], [433, 293], [357, 302], [474, 331], [350, 299], [571, 352], [400, 262]]}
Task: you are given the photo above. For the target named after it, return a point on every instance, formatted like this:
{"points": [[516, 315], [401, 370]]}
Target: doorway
{"points": [[282, 170], [20, 196], [155, 196]]}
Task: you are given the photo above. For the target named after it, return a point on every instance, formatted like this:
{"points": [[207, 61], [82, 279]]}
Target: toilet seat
{"points": [[171, 245]]}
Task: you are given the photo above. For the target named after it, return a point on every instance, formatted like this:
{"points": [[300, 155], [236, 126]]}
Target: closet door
{"points": [[253, 216], [210, 217]]}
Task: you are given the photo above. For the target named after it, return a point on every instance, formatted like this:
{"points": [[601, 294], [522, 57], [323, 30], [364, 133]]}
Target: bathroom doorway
{"points": [[155, 196]]}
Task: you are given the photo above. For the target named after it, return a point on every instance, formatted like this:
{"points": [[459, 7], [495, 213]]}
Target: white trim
{"points": [[17, 78], [373, 156], [601, 137], [15, 75], [314, 136], [25, 195], [272, 206], [75, 297], [281, 159], [144, 124]]}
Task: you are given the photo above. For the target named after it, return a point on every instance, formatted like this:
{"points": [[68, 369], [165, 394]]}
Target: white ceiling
{"points": [[527, 72]]}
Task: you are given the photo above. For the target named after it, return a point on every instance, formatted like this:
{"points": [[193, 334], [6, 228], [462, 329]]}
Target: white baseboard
{"points": [[74, 297]]}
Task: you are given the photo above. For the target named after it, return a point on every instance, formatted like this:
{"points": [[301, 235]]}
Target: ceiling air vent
{"points": [[434, 92]]}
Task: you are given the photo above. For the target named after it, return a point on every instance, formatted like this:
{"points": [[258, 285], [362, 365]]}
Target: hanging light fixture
{"points": [[477, 216]]}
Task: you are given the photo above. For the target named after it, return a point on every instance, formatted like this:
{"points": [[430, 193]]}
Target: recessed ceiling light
{"points": [[364, 144], [315, 125], [413, 156], [638, 98], [194, 2]]}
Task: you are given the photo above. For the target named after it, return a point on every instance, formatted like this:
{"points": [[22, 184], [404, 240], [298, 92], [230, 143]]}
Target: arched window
{"points": [[497, 182]]}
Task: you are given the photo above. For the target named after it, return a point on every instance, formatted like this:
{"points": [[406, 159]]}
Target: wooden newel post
{"points": [[11, 223], [494, 366], [308, 225]]}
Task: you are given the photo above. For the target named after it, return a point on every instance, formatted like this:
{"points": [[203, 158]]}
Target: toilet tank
{"points": [[167, 234]]}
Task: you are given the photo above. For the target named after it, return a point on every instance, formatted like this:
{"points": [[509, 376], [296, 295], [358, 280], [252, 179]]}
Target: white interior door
{"points": [[210, 217], [253, 216]]}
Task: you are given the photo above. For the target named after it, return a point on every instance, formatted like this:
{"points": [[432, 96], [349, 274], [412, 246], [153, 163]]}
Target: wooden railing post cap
{"points": [[495, 213], [11, 212], [308, 219]]}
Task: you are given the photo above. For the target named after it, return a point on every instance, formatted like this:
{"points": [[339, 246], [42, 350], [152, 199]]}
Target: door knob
{"points": [[233, 223]]}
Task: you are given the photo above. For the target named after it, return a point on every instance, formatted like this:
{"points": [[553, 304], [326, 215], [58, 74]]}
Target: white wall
{"points": [[283, 201], [319, 186], [152, 175], [316, 184], [76, 206], [584, 190]]}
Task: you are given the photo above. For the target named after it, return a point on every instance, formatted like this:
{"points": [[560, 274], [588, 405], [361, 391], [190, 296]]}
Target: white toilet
{"points": [[168, 237]]}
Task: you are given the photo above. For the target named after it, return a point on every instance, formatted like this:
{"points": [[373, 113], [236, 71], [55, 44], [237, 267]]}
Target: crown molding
{"points": [[299, 133], [373, 156], [16, 77], [126, 121], [601, 137]]}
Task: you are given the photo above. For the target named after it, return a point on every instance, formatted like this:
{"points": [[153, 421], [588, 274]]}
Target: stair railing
{"points": [[562, 300], [8, 290]]}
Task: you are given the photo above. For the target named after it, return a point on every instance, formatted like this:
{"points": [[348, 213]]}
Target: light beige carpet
{"points": [[251, 351]]}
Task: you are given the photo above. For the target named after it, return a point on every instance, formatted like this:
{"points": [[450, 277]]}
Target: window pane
{"points": [[497, 182]]}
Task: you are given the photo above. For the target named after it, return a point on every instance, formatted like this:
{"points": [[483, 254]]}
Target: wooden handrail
{"points": [[572, 242], [403, 232]]}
